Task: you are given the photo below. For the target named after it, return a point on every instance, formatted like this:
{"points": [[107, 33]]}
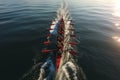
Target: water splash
{"points": [[63, 12], [47, 70], [68, 69]]}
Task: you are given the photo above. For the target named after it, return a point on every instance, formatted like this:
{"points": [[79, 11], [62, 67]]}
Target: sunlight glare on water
{"points": [[117, 8], [116, 14], [23, 25], [116, 38]]}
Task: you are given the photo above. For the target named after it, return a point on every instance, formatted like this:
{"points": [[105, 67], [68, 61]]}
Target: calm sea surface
{"points": [[23, 25]]}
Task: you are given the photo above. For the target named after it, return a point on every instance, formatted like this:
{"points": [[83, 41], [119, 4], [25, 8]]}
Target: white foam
{"points": [[51, 72], [54, 26]]}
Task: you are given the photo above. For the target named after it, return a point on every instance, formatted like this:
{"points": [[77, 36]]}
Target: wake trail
{"points": [[69, 68], [44, 74]]}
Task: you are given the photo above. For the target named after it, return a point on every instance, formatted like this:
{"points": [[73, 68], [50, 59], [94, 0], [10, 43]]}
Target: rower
{"points": [[73, 52], [73, 43]]}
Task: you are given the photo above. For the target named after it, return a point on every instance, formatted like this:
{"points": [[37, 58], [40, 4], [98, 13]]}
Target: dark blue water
{"points": [[23, 25]]}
